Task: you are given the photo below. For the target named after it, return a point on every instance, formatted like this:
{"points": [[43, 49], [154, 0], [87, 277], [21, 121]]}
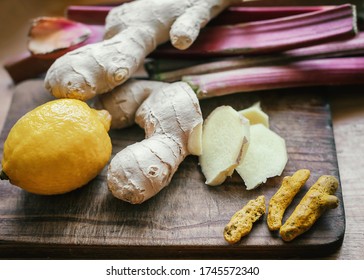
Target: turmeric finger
{"points": [[242, 221], [284, 196], [318, 198]]}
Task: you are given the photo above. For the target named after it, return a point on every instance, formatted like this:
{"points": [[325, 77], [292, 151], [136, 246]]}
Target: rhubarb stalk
{"points": [[271, 36], [354, 46], [20, 69], [237, 15], [232, 15], [320, 72]]}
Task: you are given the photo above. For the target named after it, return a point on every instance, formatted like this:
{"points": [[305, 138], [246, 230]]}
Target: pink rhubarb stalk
{"points": [[271, 36], [237, 15], [20, 69], [320, 72], [354, 46], [232, 15], [26, 66]]}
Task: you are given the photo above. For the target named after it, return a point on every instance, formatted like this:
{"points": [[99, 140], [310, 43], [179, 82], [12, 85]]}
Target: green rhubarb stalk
{"points": [[320, 72], [154, 67], [348, 47]]}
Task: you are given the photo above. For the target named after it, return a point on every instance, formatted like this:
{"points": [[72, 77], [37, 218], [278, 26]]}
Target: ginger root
{"points": [[133, 30], [123, 101], [242, 221], [172, 120], [317, 200], [284, 196]]}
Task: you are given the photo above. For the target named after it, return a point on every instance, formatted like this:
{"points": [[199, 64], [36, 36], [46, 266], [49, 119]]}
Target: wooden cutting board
{"points": [[187, 218]]}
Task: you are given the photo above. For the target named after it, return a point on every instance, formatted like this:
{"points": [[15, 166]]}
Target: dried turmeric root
{"points": [[242, 221], [318, 198], [284, 196]]}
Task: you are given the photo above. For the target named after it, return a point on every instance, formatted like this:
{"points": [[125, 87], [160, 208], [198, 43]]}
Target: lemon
{"points": [[57, 147]]}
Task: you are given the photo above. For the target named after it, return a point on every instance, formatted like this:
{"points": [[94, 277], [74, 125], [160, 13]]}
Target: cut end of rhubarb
{"points": [[51, 34], [355, 19], [196, 86]]}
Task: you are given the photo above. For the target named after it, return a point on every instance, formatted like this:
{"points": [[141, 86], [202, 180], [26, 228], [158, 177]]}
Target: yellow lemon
{"points": [[57, 147]]}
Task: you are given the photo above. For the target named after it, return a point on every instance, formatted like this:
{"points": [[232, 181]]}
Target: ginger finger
{"points": [[186, 27], [132, 31], [172, 120], [317, 200], [284, 196], [123, 101], [242, 221]]}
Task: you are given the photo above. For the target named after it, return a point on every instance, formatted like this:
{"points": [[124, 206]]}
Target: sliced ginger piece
{"points": [[225, 140], [194, 144], [266, 157], [255, 115]]}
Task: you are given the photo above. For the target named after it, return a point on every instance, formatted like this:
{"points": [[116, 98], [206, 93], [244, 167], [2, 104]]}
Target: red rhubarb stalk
{"points": [[88, 14], [27, 64], [232, 15], [320, 72], [237, 15], [354, 46], [270, 36]]}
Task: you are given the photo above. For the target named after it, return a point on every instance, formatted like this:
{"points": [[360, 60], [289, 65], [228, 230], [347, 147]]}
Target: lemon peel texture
{"points": [[57, 147]]}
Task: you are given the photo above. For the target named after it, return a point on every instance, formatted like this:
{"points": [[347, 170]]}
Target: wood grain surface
{"points": [[347, 106], [187, 218]]}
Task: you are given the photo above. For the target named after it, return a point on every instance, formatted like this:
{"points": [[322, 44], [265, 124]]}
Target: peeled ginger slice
{"points": [[255, 115], [266, 157], [224, 142]]}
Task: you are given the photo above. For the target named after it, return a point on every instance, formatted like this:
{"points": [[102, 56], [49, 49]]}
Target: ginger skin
{"points": [[242, 221], [284, 196], [133, 30], [123, 101], [172, 120], [317, 200]]}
